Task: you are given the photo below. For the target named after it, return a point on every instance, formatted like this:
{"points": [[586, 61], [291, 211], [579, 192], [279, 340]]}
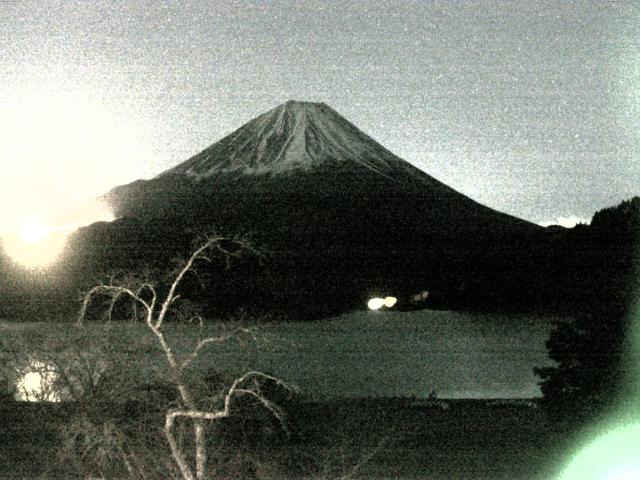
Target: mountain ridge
{"points": [[301, 147], [334, 233], [340, 214], [295, 136]]}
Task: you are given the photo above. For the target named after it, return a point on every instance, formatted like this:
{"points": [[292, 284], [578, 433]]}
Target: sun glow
{"points": [[62, 144], [35, 242], [33, 230]]}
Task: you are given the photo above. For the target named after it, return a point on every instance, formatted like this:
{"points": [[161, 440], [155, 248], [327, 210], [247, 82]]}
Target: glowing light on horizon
{"points": [[377, 303], [566, 222], [37, 243], [85, 214], [389, 302]]}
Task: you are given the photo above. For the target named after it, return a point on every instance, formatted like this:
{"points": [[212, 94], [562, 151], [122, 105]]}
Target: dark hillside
{"points": [[339, 217]]}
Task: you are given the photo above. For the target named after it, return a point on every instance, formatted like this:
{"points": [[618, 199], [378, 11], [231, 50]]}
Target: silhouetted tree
{"points": [[589, 346], [589, 374]]}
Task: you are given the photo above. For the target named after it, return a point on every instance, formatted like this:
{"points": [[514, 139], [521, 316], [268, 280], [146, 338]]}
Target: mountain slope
{"points": [[296, 136], [297, 147], [341, 217]]}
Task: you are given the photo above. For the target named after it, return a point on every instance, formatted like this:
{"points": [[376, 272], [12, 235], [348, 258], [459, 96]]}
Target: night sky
{"points": [[532, 108]]}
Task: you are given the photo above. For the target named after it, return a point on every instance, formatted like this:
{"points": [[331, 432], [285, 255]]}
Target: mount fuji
{"points": [[340, 217], [296, 136]]}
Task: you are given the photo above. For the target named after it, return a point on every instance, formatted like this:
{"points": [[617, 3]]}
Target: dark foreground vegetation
{"points": [[368, 438], [178, 416], [596, 347]]}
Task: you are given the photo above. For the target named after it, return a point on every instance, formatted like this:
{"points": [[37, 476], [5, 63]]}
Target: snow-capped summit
{"points": [[308, 152], [295, 136]]}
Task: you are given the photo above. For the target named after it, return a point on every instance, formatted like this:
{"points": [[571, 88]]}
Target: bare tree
{"points": [[146, 298]]}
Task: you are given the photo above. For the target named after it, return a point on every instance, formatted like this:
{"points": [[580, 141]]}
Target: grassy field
{"points": [[390, 438]]}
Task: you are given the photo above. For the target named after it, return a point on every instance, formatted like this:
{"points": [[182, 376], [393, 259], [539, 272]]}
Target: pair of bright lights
{"points": [[377, 303]]}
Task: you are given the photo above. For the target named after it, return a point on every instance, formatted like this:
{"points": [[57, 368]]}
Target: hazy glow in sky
{"points": [[36, 242], [528, 107], [59, 149], [33, 230]]}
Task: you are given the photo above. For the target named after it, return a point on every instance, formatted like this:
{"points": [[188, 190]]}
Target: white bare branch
{"points": [[254, 373], [198, 254], [364, 460], [150, 288], [114, 292], [112, 304], [146, 295], [268, 404]]}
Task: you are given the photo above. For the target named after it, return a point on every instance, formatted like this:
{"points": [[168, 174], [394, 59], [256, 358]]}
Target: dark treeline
{"points": [[592, 347], [319, 257]]}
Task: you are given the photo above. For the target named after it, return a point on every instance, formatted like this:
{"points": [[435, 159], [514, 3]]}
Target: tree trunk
{"points": [[201, 450]]}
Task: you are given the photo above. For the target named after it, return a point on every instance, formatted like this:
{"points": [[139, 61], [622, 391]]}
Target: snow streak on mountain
{"points": [[296, 136]]}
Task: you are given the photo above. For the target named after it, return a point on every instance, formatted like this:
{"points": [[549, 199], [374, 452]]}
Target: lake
{"points": [[361, 354]]}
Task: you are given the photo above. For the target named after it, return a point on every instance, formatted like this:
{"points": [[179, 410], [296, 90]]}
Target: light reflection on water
{"points": [[37, 382], [361, 354]]}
